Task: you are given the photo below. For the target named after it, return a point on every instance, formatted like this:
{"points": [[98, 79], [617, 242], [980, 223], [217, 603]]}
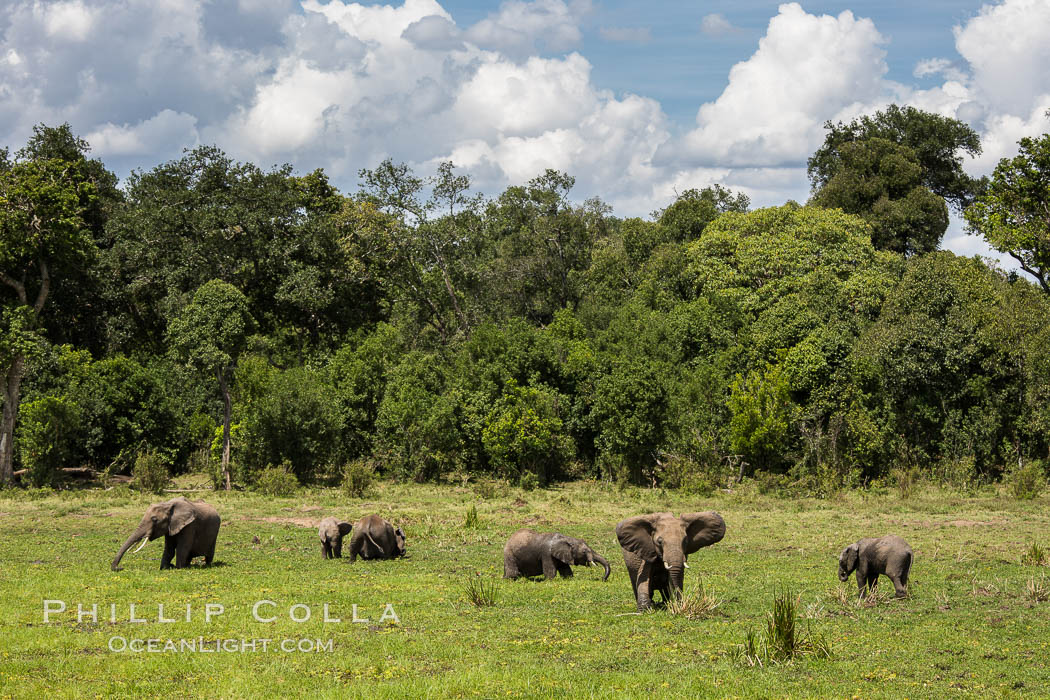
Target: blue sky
{"points": [[637, 100]]}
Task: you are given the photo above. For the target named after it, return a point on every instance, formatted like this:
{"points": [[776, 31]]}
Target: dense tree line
{"points": [[219, 316]]}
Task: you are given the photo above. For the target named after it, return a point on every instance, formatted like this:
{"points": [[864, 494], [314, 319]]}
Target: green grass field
{"points": [[977, 622]]}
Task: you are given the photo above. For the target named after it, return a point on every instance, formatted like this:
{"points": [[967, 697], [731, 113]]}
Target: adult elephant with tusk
{"points": [[655, 547], [189, 529]]}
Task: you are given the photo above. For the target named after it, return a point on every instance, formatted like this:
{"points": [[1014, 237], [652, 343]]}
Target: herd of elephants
{"points": [[655, 547]]}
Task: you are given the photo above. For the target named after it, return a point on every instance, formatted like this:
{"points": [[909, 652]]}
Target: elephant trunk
{"points": [[601, 560], [676, 574], [139, 534], [674, 562]]}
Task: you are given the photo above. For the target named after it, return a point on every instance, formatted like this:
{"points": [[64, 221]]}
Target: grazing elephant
{"points": [[871, 556], [375, 538], [189, 529], [529, 553], [655, 547], [331, 533]]}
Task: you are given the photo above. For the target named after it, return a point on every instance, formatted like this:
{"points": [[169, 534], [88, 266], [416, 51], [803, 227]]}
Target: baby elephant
{"points": [[375, 538], [529, 553], [871, 556], [331, 533]]}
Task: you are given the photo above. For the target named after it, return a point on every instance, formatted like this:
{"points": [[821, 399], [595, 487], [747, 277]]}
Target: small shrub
{"points": [[277, 481], [150, 472], [482, 592], [358, 476], [694, 605], [907, 481], [529, 481], [1035, 556], [1026, 480], [472, 522], [488, 489]]}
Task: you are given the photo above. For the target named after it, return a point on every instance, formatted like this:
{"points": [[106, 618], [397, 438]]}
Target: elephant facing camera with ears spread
{"points": [[189, 529], [375, 538], [655, 547], [529, 553]]}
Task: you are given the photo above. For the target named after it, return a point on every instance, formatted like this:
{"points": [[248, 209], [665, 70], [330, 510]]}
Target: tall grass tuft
{"points": [[784, 638], [1035, 556], [472, 522], [694, 605], [1037, 590], [482, 592]]}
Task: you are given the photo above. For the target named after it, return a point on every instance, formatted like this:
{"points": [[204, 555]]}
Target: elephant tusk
{"points": [[144, 541], [667, 566], [685, 564]]}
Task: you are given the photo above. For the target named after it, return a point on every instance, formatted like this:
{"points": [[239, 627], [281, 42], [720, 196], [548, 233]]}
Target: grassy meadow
{"points": [[977, 622]]}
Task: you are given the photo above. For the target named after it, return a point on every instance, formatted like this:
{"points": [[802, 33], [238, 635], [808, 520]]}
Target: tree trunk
{"points": [[226, 411], [11, 395]]}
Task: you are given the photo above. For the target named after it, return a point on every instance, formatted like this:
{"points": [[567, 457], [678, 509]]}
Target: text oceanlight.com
{"points": [[203, 645]]}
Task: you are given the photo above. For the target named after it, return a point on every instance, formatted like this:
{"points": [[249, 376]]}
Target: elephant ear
{"points": [[182, 514], [636, 535], [345, 528], [702, 530], [849, 557], [561, 549]]}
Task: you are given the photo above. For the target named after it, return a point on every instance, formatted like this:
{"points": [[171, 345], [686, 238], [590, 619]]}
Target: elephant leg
{"points": [[510, 567], [564, 570], [549, 569], [643, 592], [183, 552], [862, 582], [324, 550], [210, 555], [169, 552], [899, 587], [338, 549]]}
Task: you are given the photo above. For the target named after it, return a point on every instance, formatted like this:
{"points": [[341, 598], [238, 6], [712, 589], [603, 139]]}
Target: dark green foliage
{"points": [[934, 140], [417, 331], [291, 419], [47, 436], [881, 181], [150, 472]]}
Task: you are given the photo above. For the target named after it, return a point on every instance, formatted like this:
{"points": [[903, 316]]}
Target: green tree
{"points": [[882, 182], [694, 209], [42, 228], [1013, 214], [762, 414], [525, 433], [935, 141], [209, 335]]}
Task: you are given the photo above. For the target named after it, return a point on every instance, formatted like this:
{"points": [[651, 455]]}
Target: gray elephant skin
{"points": [[331, 532], [529, 553], [375, 538], [189, 528], [874, 556], [655, 547]]}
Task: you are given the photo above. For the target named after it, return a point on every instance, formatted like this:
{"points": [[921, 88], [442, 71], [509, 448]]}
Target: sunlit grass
{"points": [[970, 628]]}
